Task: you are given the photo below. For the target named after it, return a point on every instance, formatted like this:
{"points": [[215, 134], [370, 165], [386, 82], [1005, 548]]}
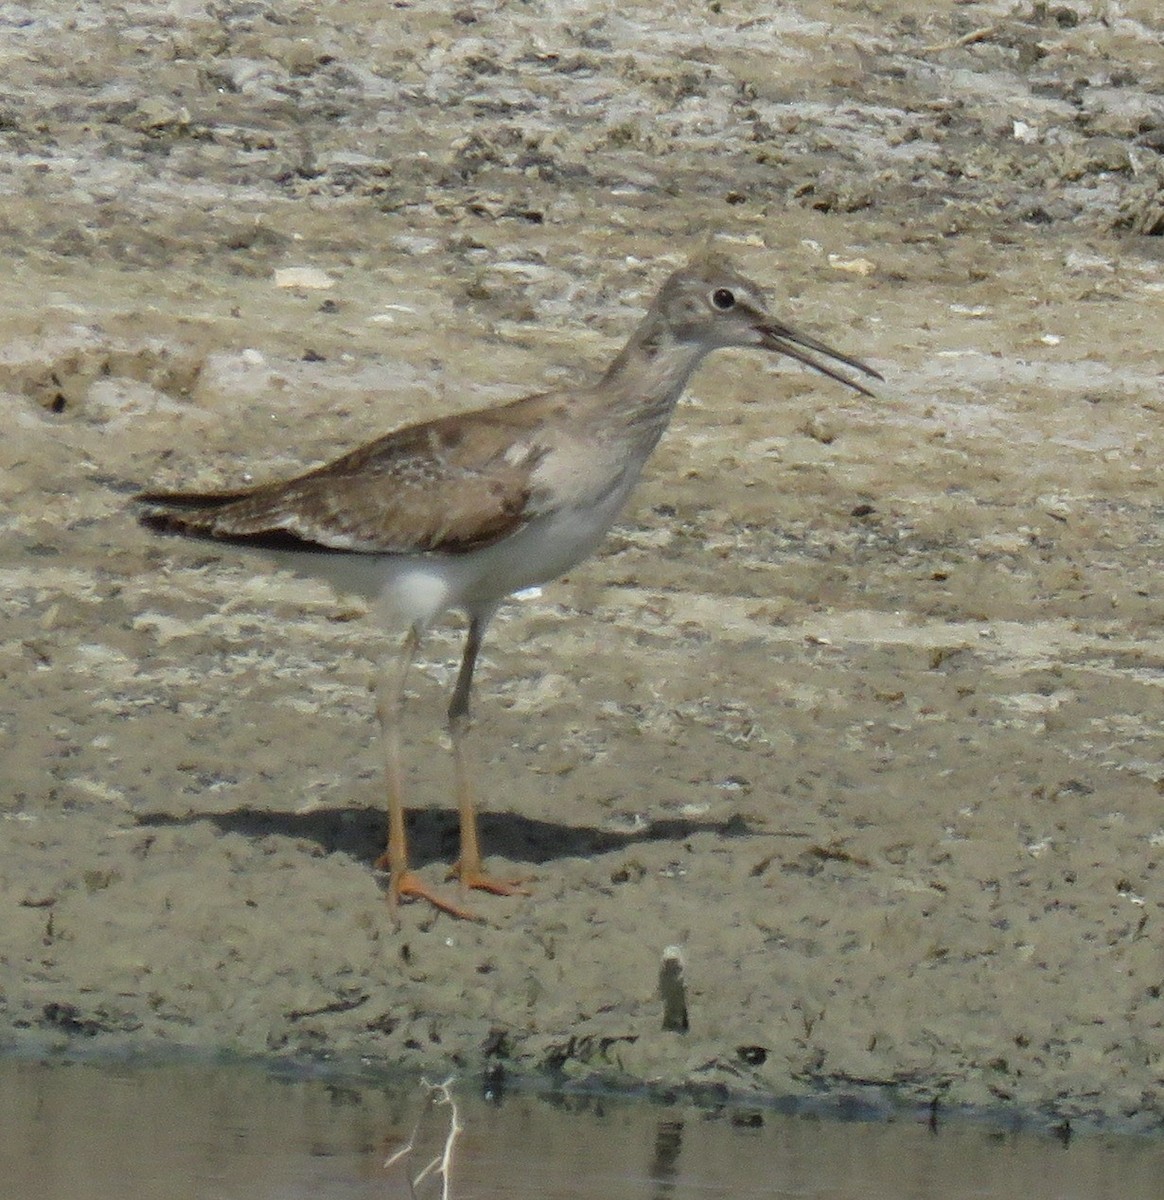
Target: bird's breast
{"points": [[581, 474]]}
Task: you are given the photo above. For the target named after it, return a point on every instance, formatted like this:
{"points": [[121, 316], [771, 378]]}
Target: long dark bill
{"points": [[785, 340]]}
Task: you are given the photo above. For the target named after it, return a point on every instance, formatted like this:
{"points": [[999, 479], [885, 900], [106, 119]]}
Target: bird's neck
{"points": [[645, 381]]}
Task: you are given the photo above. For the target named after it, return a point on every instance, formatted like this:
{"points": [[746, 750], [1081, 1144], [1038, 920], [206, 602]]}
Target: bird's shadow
{"points": [[433, 832]]}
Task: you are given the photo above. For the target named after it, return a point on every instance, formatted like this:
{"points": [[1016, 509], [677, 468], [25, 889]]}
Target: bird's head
{"points": [[710, 304]]}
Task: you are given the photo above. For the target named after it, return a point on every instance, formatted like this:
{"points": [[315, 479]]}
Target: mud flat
{"points": [[860, 705]]}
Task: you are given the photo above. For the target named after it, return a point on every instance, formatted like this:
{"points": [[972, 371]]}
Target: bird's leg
{"points": [[468, 868], [390, 710]]}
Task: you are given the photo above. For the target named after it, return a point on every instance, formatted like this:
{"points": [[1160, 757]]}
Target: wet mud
{"points": [[859, 705]]}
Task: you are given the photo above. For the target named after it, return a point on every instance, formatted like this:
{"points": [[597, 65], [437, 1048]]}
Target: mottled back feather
{"points": [[451, 485]]}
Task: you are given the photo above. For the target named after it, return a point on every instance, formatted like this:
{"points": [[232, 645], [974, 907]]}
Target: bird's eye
{"points": [[723, 299]]}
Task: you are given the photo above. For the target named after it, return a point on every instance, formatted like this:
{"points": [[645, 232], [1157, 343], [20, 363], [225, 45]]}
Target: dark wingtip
{"points": [[153, 518], [190, 499], [191, 514], [201, 526], [161, 521]]}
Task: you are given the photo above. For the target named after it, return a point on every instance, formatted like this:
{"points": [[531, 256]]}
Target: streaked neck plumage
{"points": [[643, 384]]}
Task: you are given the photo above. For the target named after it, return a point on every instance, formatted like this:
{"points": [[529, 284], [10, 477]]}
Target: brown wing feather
{"points": [[448, 485]]}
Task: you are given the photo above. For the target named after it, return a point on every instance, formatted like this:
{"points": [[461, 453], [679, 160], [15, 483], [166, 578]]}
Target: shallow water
{"points": [[86, 1132]]}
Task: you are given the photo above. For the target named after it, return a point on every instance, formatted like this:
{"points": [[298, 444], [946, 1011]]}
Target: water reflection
{"points": [[668, 1143], [84, 1132]]}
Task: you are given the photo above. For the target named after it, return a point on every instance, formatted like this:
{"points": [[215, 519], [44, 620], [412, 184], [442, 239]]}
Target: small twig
{"points": [[442, 1164]]}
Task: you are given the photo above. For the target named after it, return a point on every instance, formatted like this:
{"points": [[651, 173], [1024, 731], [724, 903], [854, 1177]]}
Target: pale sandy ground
{"points": [[861, 703]]}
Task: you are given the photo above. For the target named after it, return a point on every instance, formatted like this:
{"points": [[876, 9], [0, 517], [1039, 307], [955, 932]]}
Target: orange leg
{"points": [[469, 868], [389, 708]]}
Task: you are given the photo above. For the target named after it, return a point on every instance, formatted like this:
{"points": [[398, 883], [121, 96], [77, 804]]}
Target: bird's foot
{"points": [[475, 877], [407, 886]]}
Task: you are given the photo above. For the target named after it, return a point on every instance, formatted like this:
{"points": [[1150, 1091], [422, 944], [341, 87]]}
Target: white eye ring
{"points": [[723, 299]]}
